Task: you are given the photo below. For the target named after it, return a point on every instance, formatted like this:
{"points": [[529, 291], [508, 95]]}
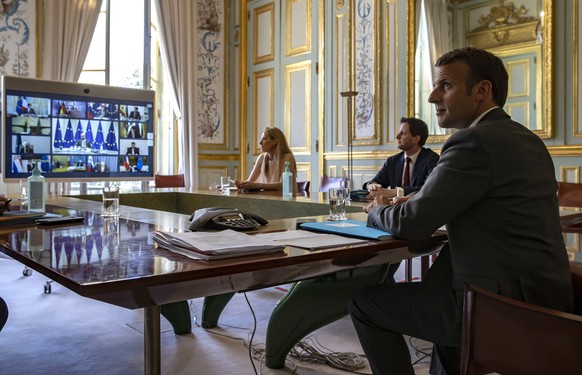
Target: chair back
{"points": [[332, 182], [303, 186], [507, 336], [169, 181], [570, 194]]}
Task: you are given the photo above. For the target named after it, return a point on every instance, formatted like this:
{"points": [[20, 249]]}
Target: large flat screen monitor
{"points": [[76, 132]]}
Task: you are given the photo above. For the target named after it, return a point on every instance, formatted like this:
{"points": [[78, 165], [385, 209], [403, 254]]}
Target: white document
{"points": [[215, 245], [310, 240]]}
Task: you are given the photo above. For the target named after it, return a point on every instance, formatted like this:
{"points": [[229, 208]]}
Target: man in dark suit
{"points": [[83, 143], [408, 169], [132, 150], [411, 139], [133, 131], [135, 114], [495, 189]]}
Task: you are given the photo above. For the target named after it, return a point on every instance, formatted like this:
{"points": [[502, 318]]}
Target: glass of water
{"points": [[337, 203], [111, 201], [23, 195], [225, 184]]}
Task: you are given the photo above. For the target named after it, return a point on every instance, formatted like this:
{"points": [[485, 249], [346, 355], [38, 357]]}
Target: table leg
{"points": [[151, 340], [312, 304]]}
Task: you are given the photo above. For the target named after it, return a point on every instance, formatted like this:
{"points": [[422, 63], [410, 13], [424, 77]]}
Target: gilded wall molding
{"points": [[291, 50], [526, 30], [218, 157], [305, 169], [213, 94], [577, 31], [264, 98], [570, 173], [297, 112], [265, 13], [566, 150], [367, 71]]}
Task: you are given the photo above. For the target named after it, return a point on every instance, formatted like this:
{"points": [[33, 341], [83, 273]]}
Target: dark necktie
{"points": [[406, 178]]}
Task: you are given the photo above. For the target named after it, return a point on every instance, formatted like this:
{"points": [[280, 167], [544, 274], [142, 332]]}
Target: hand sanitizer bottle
{"points": [[287, 181], [36, 190]]}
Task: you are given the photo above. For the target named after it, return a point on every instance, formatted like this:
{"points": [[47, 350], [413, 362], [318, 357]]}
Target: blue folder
{"points": [[350, 228]]}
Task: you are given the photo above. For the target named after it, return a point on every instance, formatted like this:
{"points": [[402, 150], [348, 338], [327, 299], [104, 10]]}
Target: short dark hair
{"points": [[483, 65], [416, 127]]}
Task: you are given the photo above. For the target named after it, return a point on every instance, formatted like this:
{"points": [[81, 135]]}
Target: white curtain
{"points": [[178, 44], [68, 30], [435, 12]]}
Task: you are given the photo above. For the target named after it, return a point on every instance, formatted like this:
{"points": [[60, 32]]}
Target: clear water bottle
{"points": [[287, 180], [36, 191]]}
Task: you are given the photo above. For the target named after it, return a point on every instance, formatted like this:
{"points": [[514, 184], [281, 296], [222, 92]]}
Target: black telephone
{"points": [[224, 218]]}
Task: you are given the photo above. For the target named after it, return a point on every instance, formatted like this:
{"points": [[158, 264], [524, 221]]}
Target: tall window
{"points": [[119, 56], [116, 55]]}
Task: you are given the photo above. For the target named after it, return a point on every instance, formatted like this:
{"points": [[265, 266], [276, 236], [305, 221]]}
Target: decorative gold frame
{"points": [[376, 137], [303, 66], [267, 73], [224, 145], [576, 127], [267, 8], [547, 69], [307, 46]]}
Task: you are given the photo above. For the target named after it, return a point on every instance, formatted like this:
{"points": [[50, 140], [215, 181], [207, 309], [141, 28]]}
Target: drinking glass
{"points": [[225, 184], [337, 203], [23, 195], [110, 201]]}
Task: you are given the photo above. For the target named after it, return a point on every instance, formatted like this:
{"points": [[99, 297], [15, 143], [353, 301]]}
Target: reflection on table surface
{"points": [[114, 260], [100, 250]]}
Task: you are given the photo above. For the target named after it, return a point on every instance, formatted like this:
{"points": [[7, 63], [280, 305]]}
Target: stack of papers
{"points": [[215, 245]]}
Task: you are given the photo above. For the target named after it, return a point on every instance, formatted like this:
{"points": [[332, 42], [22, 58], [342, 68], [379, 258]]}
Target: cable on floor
{"points": [[259, 353], [253, 332], [308, 350], [419, 354], [312, 351]]}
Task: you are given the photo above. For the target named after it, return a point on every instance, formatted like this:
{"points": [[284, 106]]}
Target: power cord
{"points": [[253, 332], [420, 354], [308, 350], [312, 351]]}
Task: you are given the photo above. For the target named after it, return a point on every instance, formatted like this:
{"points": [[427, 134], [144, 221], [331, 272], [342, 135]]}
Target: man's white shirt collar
{"points": [[481, 116], [412, 157]]}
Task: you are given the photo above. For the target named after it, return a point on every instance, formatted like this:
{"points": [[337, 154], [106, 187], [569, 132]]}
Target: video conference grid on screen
{"points": [[77, 138]]}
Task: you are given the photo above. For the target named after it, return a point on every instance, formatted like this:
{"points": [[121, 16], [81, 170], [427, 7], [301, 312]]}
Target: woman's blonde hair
{"points": [[281, 148]]}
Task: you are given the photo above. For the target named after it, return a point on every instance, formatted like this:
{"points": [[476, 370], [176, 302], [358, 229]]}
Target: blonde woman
{"points": [[266, 174]]}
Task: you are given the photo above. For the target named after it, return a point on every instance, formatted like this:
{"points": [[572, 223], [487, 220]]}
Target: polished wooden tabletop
{"points": [[115, 260]]}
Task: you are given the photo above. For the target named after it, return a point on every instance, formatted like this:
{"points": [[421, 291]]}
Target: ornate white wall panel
{"points": [[264, 43], [298, 35], [298, 106], [263, 106]]}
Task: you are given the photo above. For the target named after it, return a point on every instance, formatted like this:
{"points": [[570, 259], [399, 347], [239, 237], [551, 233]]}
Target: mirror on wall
{"points": [[518, 31]]}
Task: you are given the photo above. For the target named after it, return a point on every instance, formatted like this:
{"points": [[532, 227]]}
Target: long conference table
{"points": [[115, 261]]}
